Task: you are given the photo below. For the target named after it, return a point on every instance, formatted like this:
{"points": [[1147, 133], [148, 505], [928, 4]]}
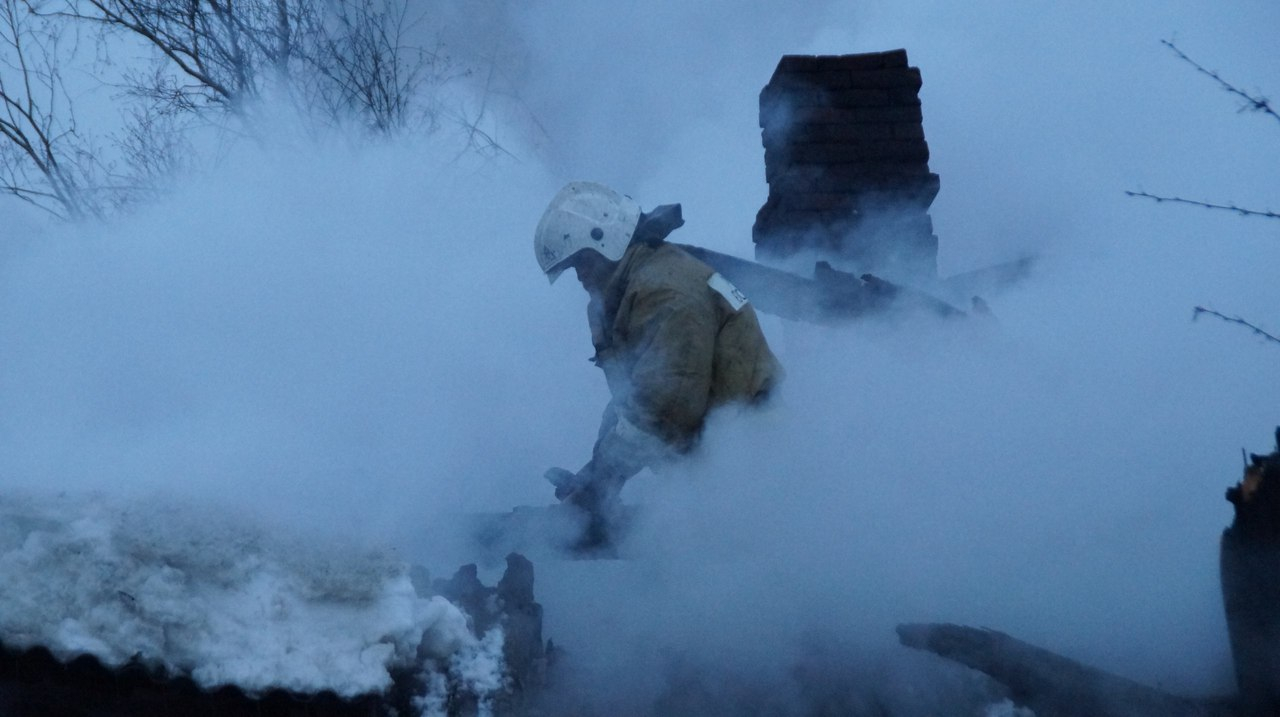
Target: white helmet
{"points": [[584, 215]]}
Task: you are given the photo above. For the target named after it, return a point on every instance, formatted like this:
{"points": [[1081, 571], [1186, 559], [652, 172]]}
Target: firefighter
{"points": [[675, 339]]}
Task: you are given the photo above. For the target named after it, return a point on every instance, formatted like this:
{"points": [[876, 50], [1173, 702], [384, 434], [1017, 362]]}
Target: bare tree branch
{"points": [[1252, 103], [1208, 205], [181, 31], [334, 59], [1234, 320], [347, 56], [43, 160], [367, 67]]}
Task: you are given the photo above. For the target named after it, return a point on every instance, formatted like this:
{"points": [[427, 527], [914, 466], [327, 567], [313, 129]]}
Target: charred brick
{"points": [[846, 161], [860, 61], [883, 151], [855, 115], [778, 165]]}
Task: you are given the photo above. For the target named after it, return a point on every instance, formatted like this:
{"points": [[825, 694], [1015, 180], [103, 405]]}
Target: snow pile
{"points": [[1008, 709], [222, 601], [477, 668]]}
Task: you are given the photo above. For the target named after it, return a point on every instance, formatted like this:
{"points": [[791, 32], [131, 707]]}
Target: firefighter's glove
{"points": [[624, 449], [592, 489], [566, 482]]}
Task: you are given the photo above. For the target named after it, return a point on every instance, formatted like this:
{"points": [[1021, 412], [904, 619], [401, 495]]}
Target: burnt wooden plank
{"points": [[1051, 684], [1249, 570]]}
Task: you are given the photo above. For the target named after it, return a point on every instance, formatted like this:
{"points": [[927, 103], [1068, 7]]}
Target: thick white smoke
{"points": [[360, 340]]}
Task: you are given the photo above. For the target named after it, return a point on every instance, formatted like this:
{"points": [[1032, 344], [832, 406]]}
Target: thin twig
{"points": [[1254, 104], [1208, 205], [1234, 320]]}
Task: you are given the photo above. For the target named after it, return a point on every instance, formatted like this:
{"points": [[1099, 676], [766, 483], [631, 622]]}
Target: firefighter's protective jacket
{"points": [[675, 340]]}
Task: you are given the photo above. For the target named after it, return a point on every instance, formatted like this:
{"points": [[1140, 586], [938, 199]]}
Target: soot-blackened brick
{"points": [[847, 163]]}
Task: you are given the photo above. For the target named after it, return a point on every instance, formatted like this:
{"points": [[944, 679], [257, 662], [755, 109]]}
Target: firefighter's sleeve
{"points": [[660, 411]]}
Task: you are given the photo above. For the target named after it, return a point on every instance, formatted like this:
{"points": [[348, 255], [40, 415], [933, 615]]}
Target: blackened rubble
{"points": [[1051, 684], [34, 682], [1249, 566], [511, 606]]}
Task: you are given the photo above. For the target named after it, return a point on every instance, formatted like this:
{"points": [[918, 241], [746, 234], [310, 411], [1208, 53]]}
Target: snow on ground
{"points": [[219, 599]]}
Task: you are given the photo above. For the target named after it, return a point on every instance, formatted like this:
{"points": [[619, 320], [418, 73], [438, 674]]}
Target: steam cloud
{"points": [[359, 339]]}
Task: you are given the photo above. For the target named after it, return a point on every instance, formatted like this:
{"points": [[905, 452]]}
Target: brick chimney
{"points": [[847, 165]]}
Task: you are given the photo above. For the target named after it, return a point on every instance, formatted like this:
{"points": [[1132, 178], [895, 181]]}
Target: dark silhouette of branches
{"points": [[478, 140], [364, 63], [347, 57], [1253, 103], [1234, 320], [336, 60], [154, 146], [224, 49], [43, 159], [1208, 205]]}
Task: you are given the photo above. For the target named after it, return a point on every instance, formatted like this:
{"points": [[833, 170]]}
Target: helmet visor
{"points": [[555, 271]]}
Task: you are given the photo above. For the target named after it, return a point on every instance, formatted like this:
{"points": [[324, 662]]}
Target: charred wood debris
{"points": [[1249, 569]]}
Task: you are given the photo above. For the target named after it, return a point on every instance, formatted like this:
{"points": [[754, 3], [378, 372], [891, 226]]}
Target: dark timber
{"points": [[1249, 567], [1052, 685], [831, 296]]}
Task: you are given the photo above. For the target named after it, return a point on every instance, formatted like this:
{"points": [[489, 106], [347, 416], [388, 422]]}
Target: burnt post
{"points": [[1051, 684], [847, 165], [1250, 571]]}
